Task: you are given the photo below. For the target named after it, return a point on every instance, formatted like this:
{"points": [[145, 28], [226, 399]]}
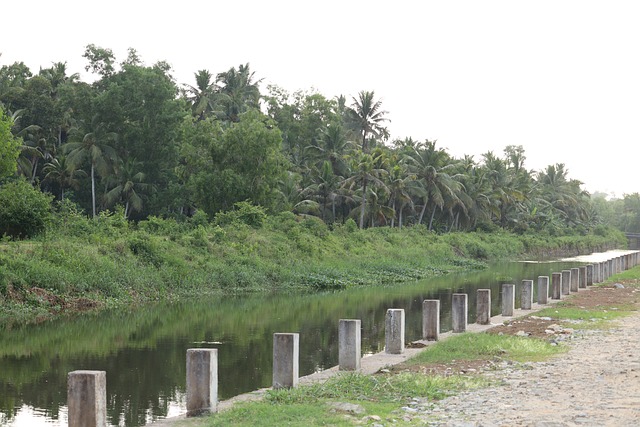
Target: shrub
{"points": [[24, 210], [243, 212]]}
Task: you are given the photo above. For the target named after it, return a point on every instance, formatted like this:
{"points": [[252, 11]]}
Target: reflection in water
{"points": [[143, 350]]}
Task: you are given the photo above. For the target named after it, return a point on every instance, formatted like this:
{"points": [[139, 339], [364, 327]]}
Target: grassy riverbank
{"points": [[355, 399], [82, 264]]}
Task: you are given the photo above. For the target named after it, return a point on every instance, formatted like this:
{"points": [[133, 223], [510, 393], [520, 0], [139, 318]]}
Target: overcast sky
{"points": [[561, 78]]}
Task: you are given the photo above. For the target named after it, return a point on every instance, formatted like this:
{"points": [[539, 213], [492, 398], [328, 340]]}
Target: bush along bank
{"points": [[80, 264]]}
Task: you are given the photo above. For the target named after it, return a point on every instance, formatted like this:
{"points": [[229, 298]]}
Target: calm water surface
{"points": [[143, 351]]}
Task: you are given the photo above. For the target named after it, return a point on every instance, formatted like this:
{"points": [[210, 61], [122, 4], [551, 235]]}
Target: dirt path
{"points": [[597, 383]]}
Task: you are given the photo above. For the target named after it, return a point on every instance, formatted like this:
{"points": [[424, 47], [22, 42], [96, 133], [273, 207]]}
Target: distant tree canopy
{"points": [[136, 138]]}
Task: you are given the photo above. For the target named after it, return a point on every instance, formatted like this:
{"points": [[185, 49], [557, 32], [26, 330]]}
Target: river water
{"points": [[143, 351]]}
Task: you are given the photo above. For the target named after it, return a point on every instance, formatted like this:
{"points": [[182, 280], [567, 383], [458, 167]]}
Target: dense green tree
{"points": [[140, 105], [101, 60], [24, 210], [242, 161]]}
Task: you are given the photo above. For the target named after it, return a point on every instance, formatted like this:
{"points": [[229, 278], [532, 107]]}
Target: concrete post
{"points": [[202, 381], [483, 306], [556, 285], [508, 299], [526, 297], [431, 319], [87, 398], [459, 310], [590, 275], [566, 282], [582, 284], [349, 344], [543, 289], [286, 360], [394, 331], [575, 279]]}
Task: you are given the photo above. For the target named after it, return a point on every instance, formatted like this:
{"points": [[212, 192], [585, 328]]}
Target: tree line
{"points": [[137, 140]]}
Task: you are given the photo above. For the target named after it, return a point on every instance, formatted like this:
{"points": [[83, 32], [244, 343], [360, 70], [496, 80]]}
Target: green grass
{"points": [[481, 346], [381, 395]]}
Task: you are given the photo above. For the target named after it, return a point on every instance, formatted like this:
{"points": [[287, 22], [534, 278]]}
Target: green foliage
{"points": [[24, 210], [9, 147], [145, 248], [243, 161], [350, 225], [242, 213]]}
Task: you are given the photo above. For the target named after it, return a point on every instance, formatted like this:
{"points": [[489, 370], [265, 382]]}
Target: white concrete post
{"points": [[431, 319], [566, 282], [286, 360], [202, 381], [556, 285], [349, 344], [87, 398], [526, 296], [459, 310], [483, 306], [590, 275], [575, 279], [508, 299], [543, 289], [582, 284], [394, 331]]}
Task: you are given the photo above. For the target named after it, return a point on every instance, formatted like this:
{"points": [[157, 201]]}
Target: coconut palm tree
{"points": [[202, 96], [95, 147], [367, 117], [60, 172], [128, 186], [399, 192], [432, 168], [365, 174], [239, 92], [333, 147]]}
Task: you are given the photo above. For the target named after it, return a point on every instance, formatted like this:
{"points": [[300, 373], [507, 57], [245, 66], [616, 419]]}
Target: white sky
{"points": [[561, 78]]}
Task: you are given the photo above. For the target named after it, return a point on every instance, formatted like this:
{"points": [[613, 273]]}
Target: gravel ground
{"points": [[596, 383]]}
